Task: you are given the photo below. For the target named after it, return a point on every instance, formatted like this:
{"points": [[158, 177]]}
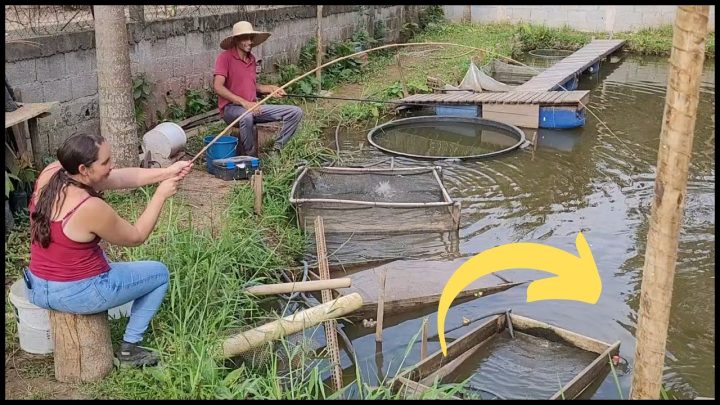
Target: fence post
{"points": [[137, 14], [319, 53], [676, 138]]}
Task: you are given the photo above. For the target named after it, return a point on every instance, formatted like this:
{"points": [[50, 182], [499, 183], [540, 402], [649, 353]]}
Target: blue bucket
{"points": [[223, 148]]}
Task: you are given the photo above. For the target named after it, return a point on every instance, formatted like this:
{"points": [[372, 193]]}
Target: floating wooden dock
{"points": [[544, 98], [564, 70], [535, 103]]}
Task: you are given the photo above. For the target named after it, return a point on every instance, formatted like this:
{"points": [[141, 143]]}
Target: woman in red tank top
{"points": [[68, 270]]}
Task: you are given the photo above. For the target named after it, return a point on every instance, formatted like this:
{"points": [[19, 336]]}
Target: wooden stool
{"points": [[83, 350]]}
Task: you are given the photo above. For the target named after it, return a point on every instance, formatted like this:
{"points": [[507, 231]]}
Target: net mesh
{"points": [[344, 192]]}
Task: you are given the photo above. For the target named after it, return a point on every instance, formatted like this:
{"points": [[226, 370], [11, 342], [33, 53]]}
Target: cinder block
{"points": [[80, 62], [57, 90], [194, 43], [30, 92], [82, 109], [176, 45], [182, 66], [84, 85], [51, 68], [21, 72]]}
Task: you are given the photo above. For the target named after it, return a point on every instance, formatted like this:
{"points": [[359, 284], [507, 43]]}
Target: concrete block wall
{"points": [[175, 55], [583, 18]]}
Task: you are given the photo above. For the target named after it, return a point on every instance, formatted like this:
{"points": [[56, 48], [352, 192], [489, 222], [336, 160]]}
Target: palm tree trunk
{"points": [[117, 110], [676, 138]]}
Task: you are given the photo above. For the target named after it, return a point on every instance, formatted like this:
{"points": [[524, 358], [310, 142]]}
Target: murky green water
{"points": [[443, 139], [599, 182]]}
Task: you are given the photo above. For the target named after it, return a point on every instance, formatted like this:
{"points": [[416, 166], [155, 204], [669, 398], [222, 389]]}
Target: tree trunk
{"points": [[676, 138], [117, 109], [83, 350]]}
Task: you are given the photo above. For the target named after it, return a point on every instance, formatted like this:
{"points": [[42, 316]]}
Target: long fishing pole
{"points": [[366, 100]]}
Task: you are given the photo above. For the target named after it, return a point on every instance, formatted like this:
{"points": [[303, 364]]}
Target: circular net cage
{"points": [[446, 137], [547, 57]]}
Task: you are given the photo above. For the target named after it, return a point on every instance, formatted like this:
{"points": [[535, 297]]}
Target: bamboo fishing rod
{"points": [[368, 100], [274, 92]]}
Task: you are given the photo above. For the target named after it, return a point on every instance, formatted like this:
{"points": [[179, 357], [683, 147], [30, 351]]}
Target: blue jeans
{"points": [[289, 115], [143, 281]]}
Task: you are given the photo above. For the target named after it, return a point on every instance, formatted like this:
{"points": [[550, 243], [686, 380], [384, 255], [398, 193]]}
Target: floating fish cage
{"points": [[374, 200], [547, 57], [513, 357]]}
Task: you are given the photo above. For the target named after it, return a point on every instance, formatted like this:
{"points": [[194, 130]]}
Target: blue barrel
{"points": [[223, 148]]}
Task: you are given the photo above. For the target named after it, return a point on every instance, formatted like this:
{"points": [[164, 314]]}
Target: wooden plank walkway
{"points": [[552, 77], [544, 98]]}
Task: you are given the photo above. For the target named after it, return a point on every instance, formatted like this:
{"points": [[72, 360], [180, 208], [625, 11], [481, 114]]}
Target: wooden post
{"points": [[319, 50], [326, 295], [83, 350], [676, 138], [424, 340], [467, 14], [380, 308], [288, 325], [256, 184], [402, 77]]}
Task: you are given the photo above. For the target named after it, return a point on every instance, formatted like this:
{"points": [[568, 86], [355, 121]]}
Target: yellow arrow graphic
{"points": [[577, 276]]}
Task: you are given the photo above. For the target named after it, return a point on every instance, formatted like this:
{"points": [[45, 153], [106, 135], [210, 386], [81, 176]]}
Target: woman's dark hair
{"points": [[80, 149]]}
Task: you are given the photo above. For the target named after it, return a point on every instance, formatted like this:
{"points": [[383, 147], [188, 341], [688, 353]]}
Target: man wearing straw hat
{"points": [[235, 83]]}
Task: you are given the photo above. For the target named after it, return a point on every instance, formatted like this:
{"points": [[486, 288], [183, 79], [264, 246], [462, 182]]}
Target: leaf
{"points": [[8, 184]]}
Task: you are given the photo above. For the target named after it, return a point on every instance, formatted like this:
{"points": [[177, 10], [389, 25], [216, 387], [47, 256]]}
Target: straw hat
{"points": [[244, 28]]}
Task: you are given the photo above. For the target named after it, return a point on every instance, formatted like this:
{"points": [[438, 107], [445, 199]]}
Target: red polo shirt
{"points": [[240, 76]]}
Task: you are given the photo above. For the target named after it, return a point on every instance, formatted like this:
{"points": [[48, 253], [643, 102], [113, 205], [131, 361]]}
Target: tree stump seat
{"points": [[83, 348]]}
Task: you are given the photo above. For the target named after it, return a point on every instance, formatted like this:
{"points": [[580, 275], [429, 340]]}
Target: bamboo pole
{"points": [[424, 340], [288, 325], [380, 308], [274, 92], [676, 138], [319, 50], [300, 286]]}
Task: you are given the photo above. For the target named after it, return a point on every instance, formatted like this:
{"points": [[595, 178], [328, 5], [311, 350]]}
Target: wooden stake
{"points": [[676, 138], [288, 325], [380, 308], [256, 184], [402, 76], [319, 50], [424, 340]]}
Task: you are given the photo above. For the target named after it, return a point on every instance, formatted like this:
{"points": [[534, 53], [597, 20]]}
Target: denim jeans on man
{"points": [[289, 115], [145, 282]]}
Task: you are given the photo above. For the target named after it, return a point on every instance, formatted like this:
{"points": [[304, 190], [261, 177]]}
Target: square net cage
{"points": [[374, 200]]}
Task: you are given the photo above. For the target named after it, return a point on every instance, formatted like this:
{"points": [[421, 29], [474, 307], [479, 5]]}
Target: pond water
{"points": [[593, 180]]}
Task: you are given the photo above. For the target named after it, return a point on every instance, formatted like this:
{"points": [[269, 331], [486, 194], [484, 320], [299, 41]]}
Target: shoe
{"points": [[132, 355]]}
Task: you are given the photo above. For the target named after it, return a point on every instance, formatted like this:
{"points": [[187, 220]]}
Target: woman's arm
{"points": [[133, 177], [108, 225]]}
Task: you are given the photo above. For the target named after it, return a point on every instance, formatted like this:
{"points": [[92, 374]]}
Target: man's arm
{"points": [[269, 88], [224, 92]]}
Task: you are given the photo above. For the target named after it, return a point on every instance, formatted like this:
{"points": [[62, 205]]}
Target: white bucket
{"points": [[165, 140], [33, 322]]}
